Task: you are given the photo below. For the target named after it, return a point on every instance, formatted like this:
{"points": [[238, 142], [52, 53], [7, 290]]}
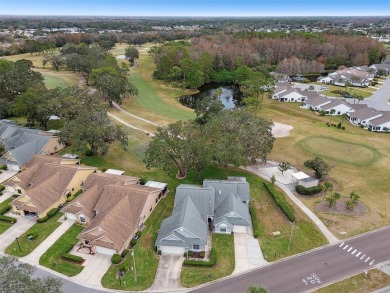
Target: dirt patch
{"points": [[281, 130], [341, 209]]}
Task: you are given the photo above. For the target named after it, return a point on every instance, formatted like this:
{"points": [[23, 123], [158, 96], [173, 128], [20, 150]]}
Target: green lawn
{"points": [[332, 90], [361, 283], [52, 257], [52, 81], [340, 150], [4, 226], [224, 246], [6, 202], [42, 230]]}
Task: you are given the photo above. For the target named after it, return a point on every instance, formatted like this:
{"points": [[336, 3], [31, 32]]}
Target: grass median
{"points": [[40, 231], [52, 257]]}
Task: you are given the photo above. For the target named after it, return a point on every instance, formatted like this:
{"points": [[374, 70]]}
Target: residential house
{"points": [[363, 116], [280, 77], [46, 183], [113, 208], [384, 66], [292, 95], [336, 107], [316, 103], [380, 124], [353, 76], [220, 205], [22, 144]]}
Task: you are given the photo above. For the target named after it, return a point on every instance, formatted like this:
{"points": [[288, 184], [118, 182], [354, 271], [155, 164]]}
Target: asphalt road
{"points": [[379, 100], [309, 271]]}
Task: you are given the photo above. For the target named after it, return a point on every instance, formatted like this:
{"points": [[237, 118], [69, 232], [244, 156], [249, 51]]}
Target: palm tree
{"points": [[355, 79], [328, 186]]}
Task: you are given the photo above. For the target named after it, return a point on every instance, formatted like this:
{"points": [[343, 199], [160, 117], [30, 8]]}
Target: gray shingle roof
{"points": [[233, 211], [185, 219], [365, 113], [223, 188]]}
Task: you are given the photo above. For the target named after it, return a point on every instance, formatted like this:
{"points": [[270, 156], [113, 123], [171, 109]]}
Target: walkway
{"points": [[129, 125], [5, 196], [134, 116], [168, 273], [7, 174], [35, 255], [247, 252], [257, 169]]}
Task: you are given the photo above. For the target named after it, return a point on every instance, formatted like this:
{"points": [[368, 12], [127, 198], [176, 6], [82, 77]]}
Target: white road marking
{"points": [[372, 262], [350, 249], [354, 252], [358, 254], [367, 259], [363, 256], [341, 245], [345, 247]]}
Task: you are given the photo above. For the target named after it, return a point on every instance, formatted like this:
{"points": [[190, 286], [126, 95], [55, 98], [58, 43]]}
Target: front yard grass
{"points": [[41, 230], [374, 280], [52, 257], [224, 246], [4, 226]]}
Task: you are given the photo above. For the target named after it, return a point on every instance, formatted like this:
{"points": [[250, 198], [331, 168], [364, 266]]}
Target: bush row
{"points": [[7, 219], [5, 209], [281, 202], [199, 263], [72, 258], [1, 188], [308, 190], [255, 225], [116, 259], [50, 214]]}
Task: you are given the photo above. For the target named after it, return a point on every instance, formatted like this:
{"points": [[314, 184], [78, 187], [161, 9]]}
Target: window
{"points": [[19, 191], [86, 242], [222, 228], [82, 219], [195, 246]]}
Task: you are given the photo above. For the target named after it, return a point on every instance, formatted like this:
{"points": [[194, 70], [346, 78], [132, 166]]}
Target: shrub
{"points": [[202, 254], [133, 242], [72, 258], [343, 127], [159, 252], [139, 233], [190, 253], [339, 125], [280, 201], [5, 209], [310, 190], [1, 188], [255, 225], [7, 219], [185, 254], [43, 220], [124, 253], [322, 113], [52, 212], [3, 167], [199, 263], [116, 259]]}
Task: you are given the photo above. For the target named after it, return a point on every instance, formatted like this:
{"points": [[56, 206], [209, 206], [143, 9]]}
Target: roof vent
{"points": [[219, 192]]}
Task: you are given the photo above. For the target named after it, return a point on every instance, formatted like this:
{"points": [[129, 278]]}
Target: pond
{"points": [[231, 96]]}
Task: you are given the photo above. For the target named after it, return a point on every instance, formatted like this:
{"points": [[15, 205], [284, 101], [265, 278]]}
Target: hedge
{"points": [[43, 220], [52, 212], [116, 259], [281, 202], [72, 258], [308, 190], [7, 219], [124, 253], [255, 225], [199, 263], [1, 188], [5, 209]]}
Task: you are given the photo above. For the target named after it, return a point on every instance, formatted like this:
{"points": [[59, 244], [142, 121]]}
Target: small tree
{"points": [[256, 289], [332, 200], [311, 88], [284, 166], [354, 197], [349, 205], [328, 186], [273, 179], [131, 54], [331, 115], [320, 167]]}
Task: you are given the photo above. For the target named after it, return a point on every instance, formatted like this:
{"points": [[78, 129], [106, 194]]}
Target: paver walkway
{"points": [[257, 169], [16, 230], [247, 252], [5, 196], [36, 254], [168, 273]]}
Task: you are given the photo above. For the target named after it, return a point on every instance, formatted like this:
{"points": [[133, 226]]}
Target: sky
{"points": [[196, 7]]}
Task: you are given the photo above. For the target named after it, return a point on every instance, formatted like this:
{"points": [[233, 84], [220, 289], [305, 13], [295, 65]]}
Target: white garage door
{"points": [[13, 167], [104, 250], [71, 216], [172, 250], [239, 229]]}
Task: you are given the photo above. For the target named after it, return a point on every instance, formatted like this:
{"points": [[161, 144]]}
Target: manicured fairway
{"points": [[340, 150]]}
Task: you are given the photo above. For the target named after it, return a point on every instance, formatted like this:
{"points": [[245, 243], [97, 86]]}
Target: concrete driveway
{"points": [[379, 100], [7, 174], [95, 266], [168, 273], [16, 230], [247, 252]]}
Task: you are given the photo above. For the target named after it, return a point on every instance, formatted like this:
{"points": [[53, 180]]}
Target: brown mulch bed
{"points": [[341, 209]]}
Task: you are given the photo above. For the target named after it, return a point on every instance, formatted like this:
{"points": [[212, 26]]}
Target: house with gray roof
{"points": [[383, 66], [316, 103], [218, 205], [21, 144], [364, 116], [337, 107], [380, 124]]}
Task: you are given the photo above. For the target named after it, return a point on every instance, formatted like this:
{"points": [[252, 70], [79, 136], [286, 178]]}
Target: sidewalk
{"points": [[7, 174], [256, 169], [16, 230], [5, 196], [36, 254]]}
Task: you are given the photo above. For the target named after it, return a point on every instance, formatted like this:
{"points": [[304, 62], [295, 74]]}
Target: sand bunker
{"points": [[281, 130]]}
